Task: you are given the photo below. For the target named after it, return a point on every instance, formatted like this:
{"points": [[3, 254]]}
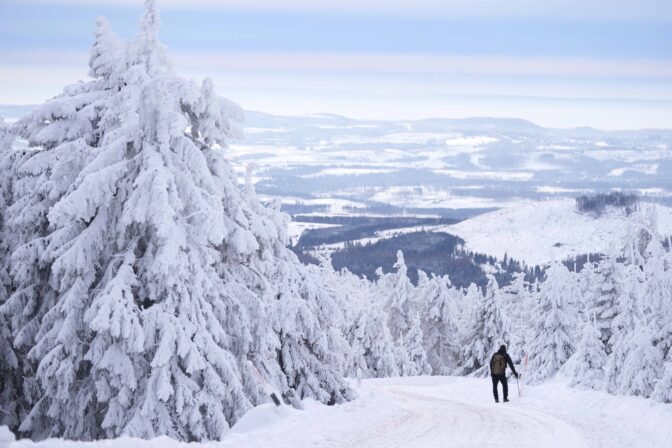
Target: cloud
{"points": [[436, 64], [593, 9], [385, 63]]}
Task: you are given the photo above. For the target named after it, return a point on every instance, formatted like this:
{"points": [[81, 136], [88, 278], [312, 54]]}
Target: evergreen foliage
{"points": [[554, 323]]}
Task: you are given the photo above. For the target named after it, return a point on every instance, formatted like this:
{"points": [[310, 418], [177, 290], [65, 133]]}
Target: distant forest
{"points": [[439, 253], [596, 204]]}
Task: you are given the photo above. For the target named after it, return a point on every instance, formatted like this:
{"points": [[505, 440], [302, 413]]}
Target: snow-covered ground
{"points": [[295, 229], [442, 412], [541, 232]]}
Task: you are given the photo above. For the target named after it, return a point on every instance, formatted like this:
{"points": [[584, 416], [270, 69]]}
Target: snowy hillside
{"points": [[540, 232], [441, 411]]}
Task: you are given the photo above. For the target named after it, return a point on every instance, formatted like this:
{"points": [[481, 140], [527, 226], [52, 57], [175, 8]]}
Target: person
{"points": [[498, 364]]}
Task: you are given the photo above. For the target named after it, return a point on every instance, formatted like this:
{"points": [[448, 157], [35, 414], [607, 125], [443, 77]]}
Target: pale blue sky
{"points": [[558, 63]]}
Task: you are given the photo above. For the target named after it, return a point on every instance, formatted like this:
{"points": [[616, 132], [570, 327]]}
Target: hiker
{"points": [[498, 364]]}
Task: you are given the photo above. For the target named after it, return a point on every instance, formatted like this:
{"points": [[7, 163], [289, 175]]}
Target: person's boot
{"points": [[496, 400], [506, 400]]}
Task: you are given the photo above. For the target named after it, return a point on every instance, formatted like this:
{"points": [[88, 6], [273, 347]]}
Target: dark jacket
{"points": [[508, 361]]}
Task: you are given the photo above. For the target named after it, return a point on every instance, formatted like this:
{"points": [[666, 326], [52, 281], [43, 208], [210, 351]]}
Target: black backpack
{"points": [[498, 364]]}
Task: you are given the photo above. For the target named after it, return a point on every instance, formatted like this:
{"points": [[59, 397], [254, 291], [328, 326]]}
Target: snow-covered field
{"points": [[541, 232], [441, 412], [295, 229]]}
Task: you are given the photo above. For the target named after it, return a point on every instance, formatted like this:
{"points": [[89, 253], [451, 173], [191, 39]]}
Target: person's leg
{"points": [[505, 386], [495, 380]]}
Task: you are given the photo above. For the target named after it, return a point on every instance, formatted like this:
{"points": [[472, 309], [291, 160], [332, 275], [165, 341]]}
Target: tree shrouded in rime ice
{"points": [[602, 297], [554, 323], [587, 365], [490, 329], [404, 308], [439, 324], [144, 277]]}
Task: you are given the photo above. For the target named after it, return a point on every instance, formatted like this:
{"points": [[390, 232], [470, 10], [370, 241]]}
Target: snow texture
{"points": [[414, 412], [538, 233]]}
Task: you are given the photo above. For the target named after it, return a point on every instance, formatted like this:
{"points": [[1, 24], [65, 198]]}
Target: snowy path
{"points": [[434, 421], [442, 412]]}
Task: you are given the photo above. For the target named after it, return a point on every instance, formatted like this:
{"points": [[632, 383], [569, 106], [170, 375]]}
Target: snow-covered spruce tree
{"points": [[353, 296], [403, 312], [400, 302], [415, 360], [10, 377], [554, 323], [62, 134], [643, 364], [586, 366], [163, 274], [601, 303], [473, 350], [376, 343], [623, 326], [663, 389], [308, 322], [373, 351], [519, 305], [657, 294], [438, 322], [491, 329]]}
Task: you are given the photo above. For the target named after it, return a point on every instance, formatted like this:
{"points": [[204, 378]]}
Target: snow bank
{"points": [[262, 416], [440, 411]]}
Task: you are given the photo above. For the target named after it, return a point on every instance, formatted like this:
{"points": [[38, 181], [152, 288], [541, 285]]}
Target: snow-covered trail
{"points": [[434, 421], [460, 412], [441, 412]]}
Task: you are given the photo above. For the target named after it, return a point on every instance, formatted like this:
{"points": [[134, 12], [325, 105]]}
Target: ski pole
{"points": [[518, 384]]}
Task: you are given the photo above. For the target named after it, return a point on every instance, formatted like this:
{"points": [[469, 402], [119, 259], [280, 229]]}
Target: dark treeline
{"points": [[352, 228], [577, 263], [437, 253], [596, 204]]}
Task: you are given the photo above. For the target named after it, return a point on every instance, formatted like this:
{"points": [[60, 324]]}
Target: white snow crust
{"points": [[439, 412], [541, 232]]}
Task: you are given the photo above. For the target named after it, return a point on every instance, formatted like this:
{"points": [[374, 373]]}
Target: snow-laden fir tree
{"points": [[663, 389], [601, 299], [643, 364], [373, 352], [624, 324], [519, 305], [157, 277], [401, 305], [554, 323], [10, 377], [438, 322], [414, 361], [642, 350], [586, 366], [352, 294], [308, 323], [491, 329], [62, 134], [496, 328], [586, 279], [403, 309], [473, 351], [657, 294], [130, 253], [374, 343]]}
